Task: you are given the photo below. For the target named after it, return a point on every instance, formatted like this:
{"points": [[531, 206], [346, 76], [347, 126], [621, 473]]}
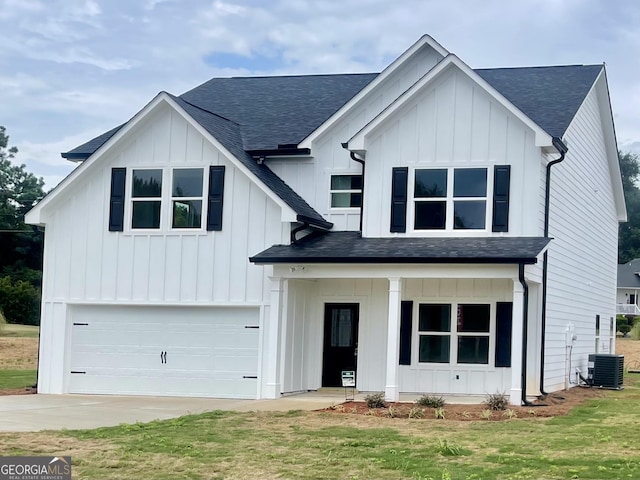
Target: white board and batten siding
{"points": [[87, 264], [311, 179], [452, 122], [583, 255]]}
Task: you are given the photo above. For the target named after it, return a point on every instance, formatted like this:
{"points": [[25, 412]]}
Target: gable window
{"points": [[450, 199], [186, 198], [346, 191], [464, 339], [146, 199]]}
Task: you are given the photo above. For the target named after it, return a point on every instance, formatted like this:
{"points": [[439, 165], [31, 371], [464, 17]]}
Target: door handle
{"points": [[163, 357]]}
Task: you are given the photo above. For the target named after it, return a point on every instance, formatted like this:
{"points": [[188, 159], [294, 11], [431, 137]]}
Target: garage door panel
{"points": [[209, 351]]}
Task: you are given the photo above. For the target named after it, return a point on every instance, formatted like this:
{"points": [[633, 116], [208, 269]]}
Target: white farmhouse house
{"points": [[425, 227]]}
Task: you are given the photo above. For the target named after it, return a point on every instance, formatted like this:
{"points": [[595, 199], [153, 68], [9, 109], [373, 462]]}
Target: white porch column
{"points": [[515, 396], [272, 341], [391, 389]]}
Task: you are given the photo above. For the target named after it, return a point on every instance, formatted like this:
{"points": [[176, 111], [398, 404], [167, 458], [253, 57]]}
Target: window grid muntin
{"points": [[138, 200], [180, 199], [166, 200], [450, 199], [354, 193], [454, 334]]}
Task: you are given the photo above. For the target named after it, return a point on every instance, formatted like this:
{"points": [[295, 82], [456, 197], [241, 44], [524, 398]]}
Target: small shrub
{"points": [[337, 408], [430, 401], [509, 413], [447, 449], [466, 414], [353, 410], [497, 401], [416, 412], [532, 412], [371, 412], [375, 400], [439, 413], [486, 414], [392, 412]]}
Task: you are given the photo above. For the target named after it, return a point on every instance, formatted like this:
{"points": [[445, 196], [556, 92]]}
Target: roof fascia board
{"points": [[611, 143], [34, 216], [356, 143], [287, 213], [601, 88], [425, 40]]}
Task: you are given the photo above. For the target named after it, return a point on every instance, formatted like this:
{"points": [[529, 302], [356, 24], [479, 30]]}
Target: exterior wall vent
{"points": [[606, 371]]}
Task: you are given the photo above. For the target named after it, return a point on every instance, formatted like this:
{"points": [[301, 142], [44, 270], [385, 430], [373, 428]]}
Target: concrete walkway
{"points": [[32, 413]]}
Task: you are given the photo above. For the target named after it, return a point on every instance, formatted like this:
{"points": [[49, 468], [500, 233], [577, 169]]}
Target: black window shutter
{"points": [[406, 328], [501, 179], [399, 199], [116, 202], [504, 315], [216, 195]]}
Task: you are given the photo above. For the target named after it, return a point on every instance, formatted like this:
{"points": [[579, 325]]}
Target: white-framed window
{"points": [[146, 198], [346, 191], [186, 198], [451, 198], [459, 340], [156, 207]]}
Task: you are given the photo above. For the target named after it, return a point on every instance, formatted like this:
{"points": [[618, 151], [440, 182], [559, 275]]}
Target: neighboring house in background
{"points": [[628, 288], [255, 237]]}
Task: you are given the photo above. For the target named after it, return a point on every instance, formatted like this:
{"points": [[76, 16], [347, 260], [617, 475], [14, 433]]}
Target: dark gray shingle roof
{"points": [[627, 274], [550, 96], [350, 247], [229, 135], [264, 113]]}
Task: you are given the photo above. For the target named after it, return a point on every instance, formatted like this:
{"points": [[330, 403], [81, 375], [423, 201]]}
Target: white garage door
{"points": [[210, 352]]}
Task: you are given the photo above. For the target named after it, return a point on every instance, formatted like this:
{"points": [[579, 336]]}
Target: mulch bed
{"points": [[18, 391], [555, 404]]}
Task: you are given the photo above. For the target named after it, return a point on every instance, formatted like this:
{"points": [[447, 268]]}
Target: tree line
{"points": [[20, 244]]}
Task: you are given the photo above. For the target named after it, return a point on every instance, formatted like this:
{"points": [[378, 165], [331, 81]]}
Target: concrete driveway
{"points": [[32, 413]]}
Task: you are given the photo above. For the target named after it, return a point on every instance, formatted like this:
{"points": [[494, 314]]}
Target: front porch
{"points": [[398, 346]]}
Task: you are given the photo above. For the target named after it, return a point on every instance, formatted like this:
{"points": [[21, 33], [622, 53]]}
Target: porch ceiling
{"points": [[350, 247]]}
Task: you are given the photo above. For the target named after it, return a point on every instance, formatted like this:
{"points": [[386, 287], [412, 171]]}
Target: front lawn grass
{"points": [[598, 440], [22, 331], [11, 379]]}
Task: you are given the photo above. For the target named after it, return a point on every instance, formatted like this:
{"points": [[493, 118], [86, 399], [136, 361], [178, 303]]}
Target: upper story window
{"points": [[346, 191], [146, 199], [167, 199], [450, 199], [186, 198]]}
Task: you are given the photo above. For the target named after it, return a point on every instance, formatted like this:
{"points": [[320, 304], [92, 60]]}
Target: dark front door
{"points": [[340, 342]]}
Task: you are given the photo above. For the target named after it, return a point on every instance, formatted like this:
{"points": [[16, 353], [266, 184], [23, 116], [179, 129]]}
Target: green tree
{"points": [[629, 232], [20, 244]]}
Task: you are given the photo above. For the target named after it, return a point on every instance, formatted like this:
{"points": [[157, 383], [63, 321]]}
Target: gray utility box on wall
{"points": [[606, 371]]}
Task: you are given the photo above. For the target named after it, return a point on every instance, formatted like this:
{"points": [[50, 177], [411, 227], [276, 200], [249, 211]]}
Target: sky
{"points": [[72, 69]]}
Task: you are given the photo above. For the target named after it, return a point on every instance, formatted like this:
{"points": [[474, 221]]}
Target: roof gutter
{"points": [[355, 158], [562, 149]]}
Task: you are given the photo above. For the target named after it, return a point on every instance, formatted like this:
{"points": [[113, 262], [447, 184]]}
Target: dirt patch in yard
{"points": [[631, 351], [18, 353], [558, 403]]}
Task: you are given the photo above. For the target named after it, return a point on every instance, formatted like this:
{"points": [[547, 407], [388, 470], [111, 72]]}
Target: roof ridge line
{"points": [[210, 112]]}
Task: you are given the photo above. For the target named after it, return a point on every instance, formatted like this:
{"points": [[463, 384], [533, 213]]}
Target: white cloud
{"points": [[72, 65]]}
